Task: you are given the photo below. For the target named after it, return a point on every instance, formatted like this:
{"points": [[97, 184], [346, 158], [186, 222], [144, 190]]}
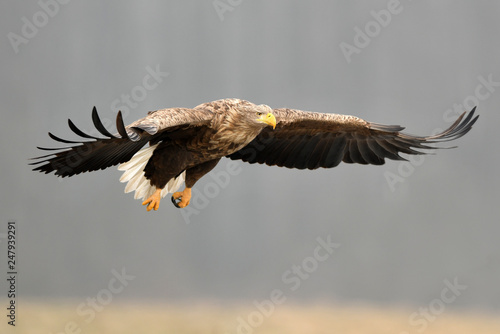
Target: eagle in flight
{"points": [[185, 144]]}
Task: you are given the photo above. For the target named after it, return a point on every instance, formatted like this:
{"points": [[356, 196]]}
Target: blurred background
{"points": [[403, 232]]}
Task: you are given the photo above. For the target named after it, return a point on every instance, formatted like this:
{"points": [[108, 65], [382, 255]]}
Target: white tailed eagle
{"points": [[185, 144]]}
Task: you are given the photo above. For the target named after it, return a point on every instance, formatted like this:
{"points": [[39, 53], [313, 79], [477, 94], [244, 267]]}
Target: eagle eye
{"points": [[259, 113]]}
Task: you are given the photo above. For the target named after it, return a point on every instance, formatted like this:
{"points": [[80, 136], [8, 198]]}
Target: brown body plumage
{"points": [[190, 142]]}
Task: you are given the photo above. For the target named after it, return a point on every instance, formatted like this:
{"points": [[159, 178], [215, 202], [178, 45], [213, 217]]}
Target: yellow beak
{"points": [[269, 119]]}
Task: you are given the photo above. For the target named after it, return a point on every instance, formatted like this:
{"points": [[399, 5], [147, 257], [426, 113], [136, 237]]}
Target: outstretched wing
{"points": [[312, 140], [101, 153]]}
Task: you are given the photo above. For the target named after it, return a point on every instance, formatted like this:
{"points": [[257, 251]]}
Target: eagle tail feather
{"points": [[136, 181]]}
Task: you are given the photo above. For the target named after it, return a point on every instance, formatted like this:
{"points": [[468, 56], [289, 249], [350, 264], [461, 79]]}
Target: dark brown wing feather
{"points": [[312, 140], [105, 152]]}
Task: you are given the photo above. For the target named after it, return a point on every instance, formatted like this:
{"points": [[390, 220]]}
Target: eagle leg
{"points": [[153, 201], [184, 197]]}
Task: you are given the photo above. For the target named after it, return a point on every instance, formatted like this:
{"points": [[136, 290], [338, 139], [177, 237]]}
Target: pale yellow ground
{"points": [[58, 317]]}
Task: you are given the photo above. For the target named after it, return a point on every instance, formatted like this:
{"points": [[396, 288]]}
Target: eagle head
{"points": [[249, 116], [265, 115]]}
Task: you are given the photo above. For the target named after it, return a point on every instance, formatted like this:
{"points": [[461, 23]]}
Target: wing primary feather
{"points": [[415, 142], [452, 130], [79, 132], [389, 150], [40, 157], [98, 124], [56, 138], [398, 147], [459, 128], [120, 126], [465, 126], [403, 147], [51, 148]]}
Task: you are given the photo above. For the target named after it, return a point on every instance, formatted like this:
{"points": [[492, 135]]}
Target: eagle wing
{"points": [[101, 153], [312, 140]]}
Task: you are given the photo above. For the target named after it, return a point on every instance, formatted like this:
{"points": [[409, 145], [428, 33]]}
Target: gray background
{"points": [[397, 245]]}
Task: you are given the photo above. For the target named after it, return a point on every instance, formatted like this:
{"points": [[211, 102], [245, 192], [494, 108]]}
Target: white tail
{"points": [[134, 175]]}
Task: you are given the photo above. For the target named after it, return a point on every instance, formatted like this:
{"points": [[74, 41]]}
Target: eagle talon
{"points": [[153, 202], [174, 201], [184, 198]]}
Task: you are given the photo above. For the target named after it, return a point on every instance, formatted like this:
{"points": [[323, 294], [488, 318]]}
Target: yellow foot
{"points": [[184, 196], [153, 201]]}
